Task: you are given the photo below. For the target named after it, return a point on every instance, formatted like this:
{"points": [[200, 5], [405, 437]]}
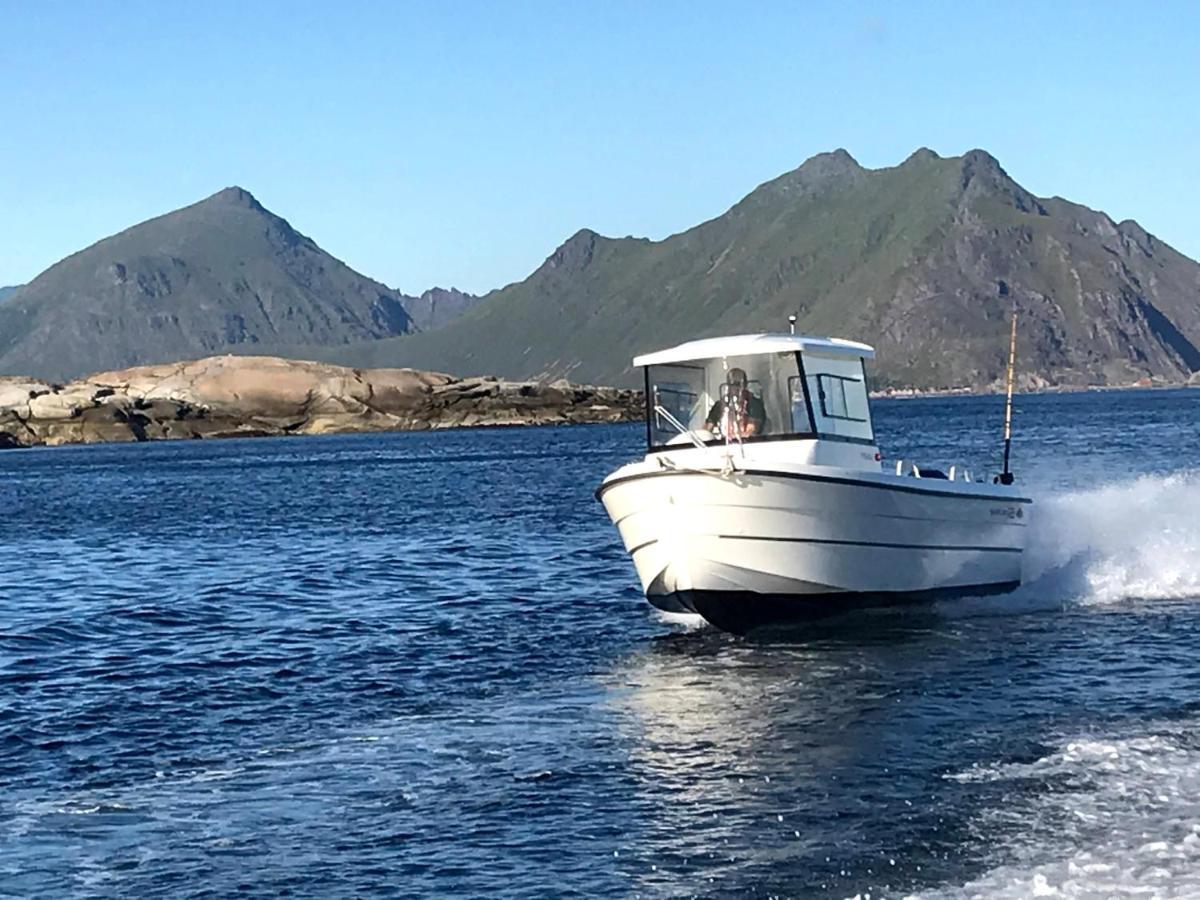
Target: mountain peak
{"points": [[841, 155], [438, 306], [830, 164], [979, 161], [234, 196], [982, 174], [817, 173], [437, 291], [921, 155], [576, 252]]}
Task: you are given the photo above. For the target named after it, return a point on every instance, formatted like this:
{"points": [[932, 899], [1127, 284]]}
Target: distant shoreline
{"points": [[915, 393], [262, 396]]}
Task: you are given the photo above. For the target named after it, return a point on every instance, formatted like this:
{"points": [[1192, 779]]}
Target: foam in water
{"points": [[1102, 817], [1098, 817], [1133, 540], [685, 621]]}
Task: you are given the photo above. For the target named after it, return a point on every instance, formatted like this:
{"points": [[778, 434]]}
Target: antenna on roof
{"points": [[1006, 477], [792, 323]]}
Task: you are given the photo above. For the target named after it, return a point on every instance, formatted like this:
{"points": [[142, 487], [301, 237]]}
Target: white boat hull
{"points": [[762, 545]]}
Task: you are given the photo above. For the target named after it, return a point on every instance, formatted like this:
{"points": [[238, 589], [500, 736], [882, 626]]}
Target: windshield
{"points": [[739, 397], [746, 398]]}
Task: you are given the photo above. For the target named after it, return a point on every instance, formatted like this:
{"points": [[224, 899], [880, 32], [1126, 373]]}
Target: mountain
{"points": [[6, 292], [924, 260], [221, 275], [437, 307]]}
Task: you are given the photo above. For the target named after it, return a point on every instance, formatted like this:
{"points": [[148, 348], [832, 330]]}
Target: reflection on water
{"points": [[741, 751]]}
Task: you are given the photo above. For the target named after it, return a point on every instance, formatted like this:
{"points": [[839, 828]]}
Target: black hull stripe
{"points": [[887, 546], [740, 612], [826, 479]]}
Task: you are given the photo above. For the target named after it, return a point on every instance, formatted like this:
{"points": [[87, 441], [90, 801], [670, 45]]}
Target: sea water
{"points": [[419, 664]]}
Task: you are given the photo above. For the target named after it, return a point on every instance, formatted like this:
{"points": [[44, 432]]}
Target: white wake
{"points": [[1134, 540], [1115, 817], [1102, 816]]}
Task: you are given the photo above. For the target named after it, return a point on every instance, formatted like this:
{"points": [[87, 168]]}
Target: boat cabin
{"points": [[757, 388]]}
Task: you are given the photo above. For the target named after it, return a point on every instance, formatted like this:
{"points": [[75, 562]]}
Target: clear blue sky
{"points": [[458, 143]]}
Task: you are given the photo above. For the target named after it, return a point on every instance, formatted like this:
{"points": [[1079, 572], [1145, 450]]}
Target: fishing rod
{"points": [[1006, 477]]}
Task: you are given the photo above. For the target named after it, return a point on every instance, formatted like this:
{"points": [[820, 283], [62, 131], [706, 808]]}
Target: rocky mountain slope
{"points": [[438, 307], [222, 274], [6, 292], [252, 396], [924, 260]]}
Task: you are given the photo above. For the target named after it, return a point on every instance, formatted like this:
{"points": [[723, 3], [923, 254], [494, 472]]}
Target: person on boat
{"points": [[738, 413]]}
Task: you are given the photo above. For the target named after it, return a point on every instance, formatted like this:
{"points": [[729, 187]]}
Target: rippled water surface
{"points": [[420, 664]]}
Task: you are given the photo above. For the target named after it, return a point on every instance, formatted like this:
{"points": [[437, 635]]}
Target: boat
{"points": [[763, 497]]}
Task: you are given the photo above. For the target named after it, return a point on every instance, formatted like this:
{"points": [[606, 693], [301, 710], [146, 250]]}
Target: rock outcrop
{"points": [[243, 396]]}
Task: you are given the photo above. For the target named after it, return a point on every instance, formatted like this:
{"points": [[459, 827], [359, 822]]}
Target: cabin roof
{"points": [[751, 344]]}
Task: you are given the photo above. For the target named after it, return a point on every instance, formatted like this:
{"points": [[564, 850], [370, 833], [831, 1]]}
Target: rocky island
{"points": [[249, 396]]}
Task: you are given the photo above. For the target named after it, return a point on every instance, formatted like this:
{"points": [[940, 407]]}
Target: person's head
{"points": [[737, 378]]}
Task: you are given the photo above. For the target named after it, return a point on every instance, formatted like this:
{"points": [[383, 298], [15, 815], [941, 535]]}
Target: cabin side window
{"points": [[840, 397], [838, 391], [798, 405]]}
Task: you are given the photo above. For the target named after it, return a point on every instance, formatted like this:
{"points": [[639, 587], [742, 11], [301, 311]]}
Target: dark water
{"points": [[419, 664]]}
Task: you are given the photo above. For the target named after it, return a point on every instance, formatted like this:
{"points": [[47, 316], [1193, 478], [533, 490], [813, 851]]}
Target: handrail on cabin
{"points": [[677, 425]]}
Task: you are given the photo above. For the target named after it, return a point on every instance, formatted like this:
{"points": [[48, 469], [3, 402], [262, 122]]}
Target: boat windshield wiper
{"points": [[678, 426]]}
